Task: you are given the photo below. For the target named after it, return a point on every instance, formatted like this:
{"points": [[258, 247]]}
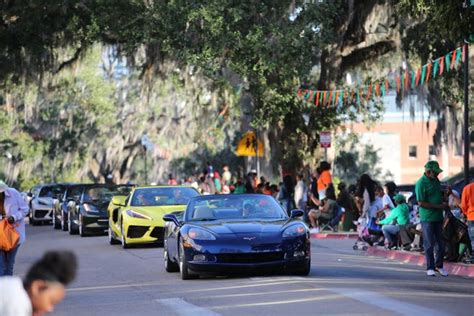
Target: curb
{"points": [[458, 269], [333, 236]]}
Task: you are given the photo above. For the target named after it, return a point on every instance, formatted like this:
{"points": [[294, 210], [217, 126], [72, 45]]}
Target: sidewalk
{"points": [[460, 269], [334, 235]]}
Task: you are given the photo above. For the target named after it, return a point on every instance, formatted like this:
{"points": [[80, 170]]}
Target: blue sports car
{"points": [[230, 233]]}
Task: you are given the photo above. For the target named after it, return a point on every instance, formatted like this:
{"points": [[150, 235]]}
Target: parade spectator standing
{"points": [[388, 199], [301, 192], [430, 200], [287, 193], [365, 195], [226, 176], [172, 180], [239, 187], [325, 177], [399, 215], [12, 209], [345, 200], [42, 288], [217, 182], [467, 207]]}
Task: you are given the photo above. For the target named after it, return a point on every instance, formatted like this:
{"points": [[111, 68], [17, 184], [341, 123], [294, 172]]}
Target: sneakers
{"points": [[314, 230], [430, 272], [442, 272]]}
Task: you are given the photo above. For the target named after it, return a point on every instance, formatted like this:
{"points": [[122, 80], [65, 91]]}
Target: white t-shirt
{"points": [[14, 300], [386, 200]]}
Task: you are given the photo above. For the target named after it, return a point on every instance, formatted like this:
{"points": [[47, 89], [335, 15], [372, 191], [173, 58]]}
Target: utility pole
{"points": [[467, 140]]}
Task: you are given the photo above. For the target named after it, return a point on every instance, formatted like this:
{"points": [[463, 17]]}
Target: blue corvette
{"points": [[230, 233]]}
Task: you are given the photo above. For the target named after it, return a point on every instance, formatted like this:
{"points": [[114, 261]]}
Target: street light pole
{"points": [[467, 139]]}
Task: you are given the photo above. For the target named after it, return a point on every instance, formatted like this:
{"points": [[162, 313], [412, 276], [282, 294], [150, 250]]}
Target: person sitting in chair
{"points": [[328, 209], [399, 215]]}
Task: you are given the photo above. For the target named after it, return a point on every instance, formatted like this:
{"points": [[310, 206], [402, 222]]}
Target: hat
{"points": [[253, 171], [434, 166], [3, 186], [399, 198]]}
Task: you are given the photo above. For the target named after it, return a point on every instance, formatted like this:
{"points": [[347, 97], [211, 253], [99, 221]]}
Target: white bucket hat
{"points": [[3, 186]]}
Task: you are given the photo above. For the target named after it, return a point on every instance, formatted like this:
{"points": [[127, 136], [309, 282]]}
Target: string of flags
{"points": [[410, 79]]}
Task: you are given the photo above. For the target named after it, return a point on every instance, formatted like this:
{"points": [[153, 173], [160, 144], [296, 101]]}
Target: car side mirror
{"points": [[297, 213], [171, 218]]}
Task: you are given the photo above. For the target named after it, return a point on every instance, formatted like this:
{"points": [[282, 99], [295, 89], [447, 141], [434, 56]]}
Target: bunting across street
{"points": [[408, 80]]}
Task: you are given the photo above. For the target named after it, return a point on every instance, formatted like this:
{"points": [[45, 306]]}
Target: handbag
{"points": [[9, 237]]}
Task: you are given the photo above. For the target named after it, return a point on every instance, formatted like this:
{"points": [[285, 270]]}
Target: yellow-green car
{"points": [[138, 218]]}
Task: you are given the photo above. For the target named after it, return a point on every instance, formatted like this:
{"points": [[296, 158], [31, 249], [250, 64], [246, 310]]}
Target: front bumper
{"points": [[97, 223], [239, 257], [42, 214]]}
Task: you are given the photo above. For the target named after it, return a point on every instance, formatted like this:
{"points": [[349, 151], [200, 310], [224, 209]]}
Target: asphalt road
{"points": [[114, 281]]}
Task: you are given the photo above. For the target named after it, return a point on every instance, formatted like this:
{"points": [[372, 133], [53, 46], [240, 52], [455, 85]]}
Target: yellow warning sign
{"points": [[246, 146]]}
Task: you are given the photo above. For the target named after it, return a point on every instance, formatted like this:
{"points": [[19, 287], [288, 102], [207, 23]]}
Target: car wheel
{"points": [[56, 224], [123, 239], [32, 220], [112, 240], [70, 226], [304, 269], [183, 264], [170, 266], [82, 231], [63, 223]]}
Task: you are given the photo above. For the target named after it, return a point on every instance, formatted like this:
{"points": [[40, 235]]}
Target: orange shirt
{"points": [[467, 201], [325, 178]]}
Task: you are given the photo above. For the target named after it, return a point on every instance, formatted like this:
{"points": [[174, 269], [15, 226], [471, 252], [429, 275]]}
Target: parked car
{"points": [[225, 233], [138, 219], [40, 200], [88, 214], [60, 206]]}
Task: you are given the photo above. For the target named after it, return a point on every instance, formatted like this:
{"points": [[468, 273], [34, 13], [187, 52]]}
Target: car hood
{"points": [[244, 227], [157, 212], [44, 201]]}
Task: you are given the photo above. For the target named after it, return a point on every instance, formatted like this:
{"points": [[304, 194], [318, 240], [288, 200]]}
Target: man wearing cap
{"points": [[400, 214], [13, 209], [431, 207]]}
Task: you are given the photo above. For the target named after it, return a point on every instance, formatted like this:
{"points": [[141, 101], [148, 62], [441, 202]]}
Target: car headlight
{"points": [[294, 231], [90, 208], [134, 214], [200, 234]]}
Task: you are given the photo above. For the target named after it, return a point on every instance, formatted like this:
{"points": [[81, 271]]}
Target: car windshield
{"points": [[234, 207], [99, 194], [51, 191], [162, 196]]}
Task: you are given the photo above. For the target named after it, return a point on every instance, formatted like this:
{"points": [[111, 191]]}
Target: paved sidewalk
{"points": [[416, 258], [334, 235]]}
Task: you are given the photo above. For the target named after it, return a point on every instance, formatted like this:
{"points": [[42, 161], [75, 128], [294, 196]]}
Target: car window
{"points": [[162, 196], [51, 191], [232, 207], [99, 194]]}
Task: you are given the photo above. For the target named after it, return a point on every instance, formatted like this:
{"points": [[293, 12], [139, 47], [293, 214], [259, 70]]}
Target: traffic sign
{"points": [[325, 139]]}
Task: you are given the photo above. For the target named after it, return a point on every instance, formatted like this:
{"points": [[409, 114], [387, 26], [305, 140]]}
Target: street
{"points": [[114, 281]]}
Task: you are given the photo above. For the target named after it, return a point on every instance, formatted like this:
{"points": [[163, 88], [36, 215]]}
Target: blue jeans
{"points": [[390, 232], [470, 225], [7, 260], [433, 244]]}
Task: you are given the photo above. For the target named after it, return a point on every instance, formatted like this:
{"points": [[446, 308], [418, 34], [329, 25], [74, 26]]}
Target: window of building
{"points": [[412, 152], [431, 150]]}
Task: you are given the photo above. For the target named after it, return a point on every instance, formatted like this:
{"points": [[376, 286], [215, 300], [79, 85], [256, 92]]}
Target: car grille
{"points": [[157, 233], [136, 231], [261, 257], [41, 213]]}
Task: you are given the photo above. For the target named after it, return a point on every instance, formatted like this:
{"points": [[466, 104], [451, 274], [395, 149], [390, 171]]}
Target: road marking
{"points": [[183, 308], [375, 299]]}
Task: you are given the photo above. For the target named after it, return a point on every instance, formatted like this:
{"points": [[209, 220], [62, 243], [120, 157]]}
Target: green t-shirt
{"points": [[429, 190], [401, 213]]}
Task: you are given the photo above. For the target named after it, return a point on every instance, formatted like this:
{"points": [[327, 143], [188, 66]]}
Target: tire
{"points": [[70, 228], [183, 264], [56, 225], [112, 240], [33, 222], [170, 266], [82, 229], [63, 223], [123, 239], [304, 270]]}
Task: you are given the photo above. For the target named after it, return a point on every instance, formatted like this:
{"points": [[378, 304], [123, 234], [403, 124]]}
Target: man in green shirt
{"points": [[431, 206], [400, 214]]}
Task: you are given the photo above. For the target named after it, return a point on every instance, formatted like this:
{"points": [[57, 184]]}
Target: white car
{"points": [[41, 202]]}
